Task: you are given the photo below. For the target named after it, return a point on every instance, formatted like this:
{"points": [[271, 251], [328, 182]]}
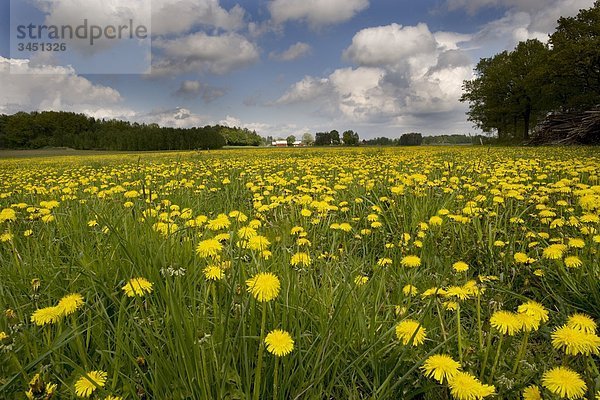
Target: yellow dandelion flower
{"points": [[582, 322], [411, 261], [554, 251], [434, 291], [360, 280], [213, 273], [279, 343], [86, 385], [440, 367], [460, 266], [458, 292], [47, 315], [534, 309], [382, 262], [435, 221], [450, 305], [137, 287], [506, 322], [70, 303], [246, 232], [258, 243], [209, 248], [532, 393], [573, 262], [564, 382], [3, 335], [576, 243], [574, 341], [221, 222], [300, 259], [521, 258], [410, 329], [410, 290], [464, 386], [264, 286]]}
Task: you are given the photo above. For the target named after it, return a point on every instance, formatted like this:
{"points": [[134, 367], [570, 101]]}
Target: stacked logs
{"points": [[569, 128]]}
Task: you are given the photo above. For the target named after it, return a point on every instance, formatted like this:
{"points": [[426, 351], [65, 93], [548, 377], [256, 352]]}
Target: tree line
{"points": [[515, 90], [66, 129]]}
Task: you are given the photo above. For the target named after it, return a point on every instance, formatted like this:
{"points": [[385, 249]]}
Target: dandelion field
{"points": [[366, 273]]}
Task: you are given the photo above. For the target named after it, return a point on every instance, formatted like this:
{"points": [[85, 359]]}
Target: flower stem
{"points": [[487, 353], [276, 379], [459, 335], [497, 358], [437, 306], [479, 330], [216, 315], [261, 349], [521, 352]]}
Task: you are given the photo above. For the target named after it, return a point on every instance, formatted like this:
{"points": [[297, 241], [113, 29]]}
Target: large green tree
{"points": [[575, 61], [507, 94]]}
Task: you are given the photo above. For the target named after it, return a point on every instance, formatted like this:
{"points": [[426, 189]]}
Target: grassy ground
{"points": [[363, 242]]}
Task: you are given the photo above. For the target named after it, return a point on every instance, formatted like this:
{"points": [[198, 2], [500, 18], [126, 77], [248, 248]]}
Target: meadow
{"points": [[348, 273]]}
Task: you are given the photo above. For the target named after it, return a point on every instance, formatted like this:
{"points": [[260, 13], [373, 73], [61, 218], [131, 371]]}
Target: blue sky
{"points": [[380, 67]]}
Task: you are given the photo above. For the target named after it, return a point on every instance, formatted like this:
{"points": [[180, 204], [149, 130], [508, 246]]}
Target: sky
{"points": [[280, 67]]}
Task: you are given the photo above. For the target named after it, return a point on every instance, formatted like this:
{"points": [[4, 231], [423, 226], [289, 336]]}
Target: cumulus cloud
{"points": [[179, 16], [176, 118], [316, 13], [307, 89], [401, 72], [199, 52], [97, 12], [164, 16], [294, 52], [390, 44], [266, 129], [523, 20], [194, 89], [27, 87]]}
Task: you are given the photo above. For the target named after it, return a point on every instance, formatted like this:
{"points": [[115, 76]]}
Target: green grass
{"points": [[196, 339]]}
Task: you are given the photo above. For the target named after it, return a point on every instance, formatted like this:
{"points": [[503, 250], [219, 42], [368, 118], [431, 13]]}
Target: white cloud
{"points": [[163, 16], [264, 129], [316, 12], [523, 20], [200, 52], [179, 16], [193, 89], [97, 12], [231, 122], [27, 87], [294, 52], [390, 44], [176, 118], [401, 72], [307, 89]]}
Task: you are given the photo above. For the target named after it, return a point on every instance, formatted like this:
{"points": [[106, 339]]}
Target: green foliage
{"points": [[239, 136], [65, 129], [512, 91], [575, 61], [350, 138], [323, 138], [308, 139], [411, 139], [507, 96], [290, 140]]}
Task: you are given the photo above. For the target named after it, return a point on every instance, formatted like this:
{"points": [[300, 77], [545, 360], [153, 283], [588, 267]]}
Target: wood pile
{"points": [[569, 128]]}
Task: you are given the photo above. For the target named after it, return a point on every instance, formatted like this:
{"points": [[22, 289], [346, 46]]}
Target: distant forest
{"points": [[66, 129]]}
